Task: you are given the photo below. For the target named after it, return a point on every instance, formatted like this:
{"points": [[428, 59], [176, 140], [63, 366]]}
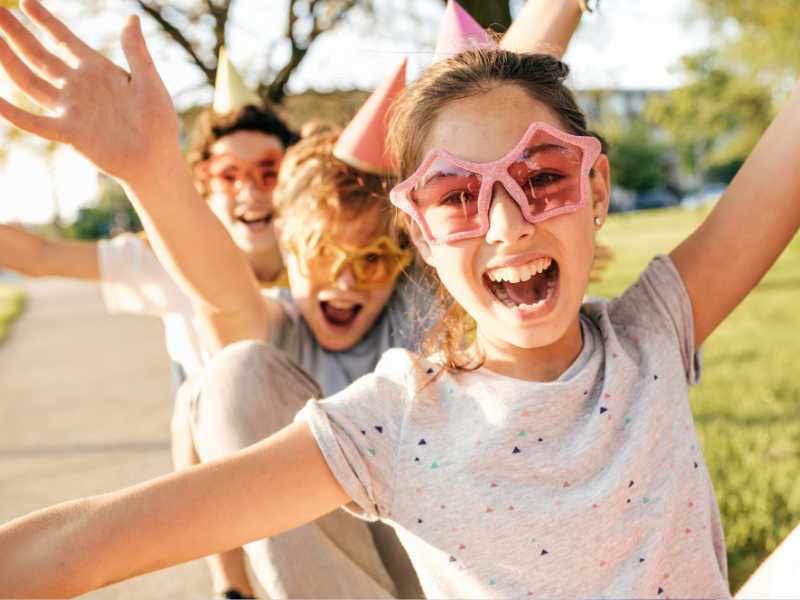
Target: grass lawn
{"points": [[12, 300], [747, 405]]}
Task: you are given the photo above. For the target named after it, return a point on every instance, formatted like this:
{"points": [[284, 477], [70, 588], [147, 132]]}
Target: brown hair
{"points": [[468, 74], [210, 127], [312, 181]]}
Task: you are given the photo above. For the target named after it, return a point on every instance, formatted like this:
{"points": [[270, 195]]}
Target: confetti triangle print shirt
{"points": [[592, 485]]}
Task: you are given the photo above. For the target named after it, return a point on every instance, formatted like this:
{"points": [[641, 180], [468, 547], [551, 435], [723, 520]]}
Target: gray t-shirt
{"points": [[590, 485], [402, 324]]}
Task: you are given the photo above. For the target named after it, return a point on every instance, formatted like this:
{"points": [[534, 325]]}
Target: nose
{"points": [[248, 193], [346, 279], [506, 223]]}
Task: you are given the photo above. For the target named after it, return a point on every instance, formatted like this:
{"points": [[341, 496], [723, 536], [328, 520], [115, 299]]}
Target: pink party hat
{"points": [[363, 142], [459, 32]]}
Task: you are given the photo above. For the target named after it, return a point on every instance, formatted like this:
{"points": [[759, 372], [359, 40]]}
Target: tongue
{"points": [[340, 316], [522, 293], [527, 292]]}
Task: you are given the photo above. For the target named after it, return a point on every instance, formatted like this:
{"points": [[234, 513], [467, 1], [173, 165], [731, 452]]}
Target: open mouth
{"points": [[531, 288], [340, 314], [256, 222]]}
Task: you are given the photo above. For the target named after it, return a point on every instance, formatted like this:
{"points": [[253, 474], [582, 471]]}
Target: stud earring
{"points": [[598, 221]]}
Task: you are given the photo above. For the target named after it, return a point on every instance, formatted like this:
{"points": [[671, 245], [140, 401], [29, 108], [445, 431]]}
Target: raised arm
{"points": [[544, 26], [33, 255], [125, 124], [749, 227], [78, 546]]}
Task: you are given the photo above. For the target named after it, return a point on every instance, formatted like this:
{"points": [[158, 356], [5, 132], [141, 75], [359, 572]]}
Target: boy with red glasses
{"points": [[235, 151]]}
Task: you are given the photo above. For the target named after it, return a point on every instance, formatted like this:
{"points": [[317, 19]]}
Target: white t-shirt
{"points": [[134, 281]]}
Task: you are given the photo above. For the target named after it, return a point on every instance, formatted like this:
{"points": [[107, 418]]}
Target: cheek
{"points": [[455, 264], [221, 206], [378, 298]]}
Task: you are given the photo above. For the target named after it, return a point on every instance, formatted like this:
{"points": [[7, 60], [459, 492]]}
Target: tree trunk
{"points": [[489, 13]]}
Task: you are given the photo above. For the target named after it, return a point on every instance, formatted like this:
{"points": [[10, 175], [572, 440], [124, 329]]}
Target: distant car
{"points": [[707, 194], [658, 198], [622, 199]]}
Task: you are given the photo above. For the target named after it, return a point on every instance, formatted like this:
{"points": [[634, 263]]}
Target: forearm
{"points": [[30, 254], [266, 489], [47, 554], [192, 244], [544, 26], [19, 250]]}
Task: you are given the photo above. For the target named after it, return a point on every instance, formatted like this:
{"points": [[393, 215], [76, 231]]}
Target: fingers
{"points": [[45, 127], [27, 81], [30, 49], [136, 53], [55, 30]]}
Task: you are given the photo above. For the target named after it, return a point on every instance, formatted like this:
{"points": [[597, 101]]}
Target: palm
{"points": [[122, 122]]}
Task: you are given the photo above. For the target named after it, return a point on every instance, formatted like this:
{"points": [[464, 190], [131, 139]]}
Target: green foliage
{"points": [[639, 162], [12, 301], [716, 118], [747, 406], [496, 15], [761, 37], [112, 214]]}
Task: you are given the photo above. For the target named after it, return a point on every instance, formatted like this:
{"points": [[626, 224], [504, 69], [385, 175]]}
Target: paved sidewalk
{"points": [[84, 408]]}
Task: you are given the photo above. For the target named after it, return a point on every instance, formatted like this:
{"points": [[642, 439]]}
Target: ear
{"points": [[200, 172], [600, 186], [423, 248]]}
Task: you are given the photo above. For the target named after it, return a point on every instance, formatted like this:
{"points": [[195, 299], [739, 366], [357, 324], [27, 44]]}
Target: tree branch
{"points": [[276, 91], [154, 11]]}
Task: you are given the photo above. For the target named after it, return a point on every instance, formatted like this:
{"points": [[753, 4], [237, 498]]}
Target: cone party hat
{"points": [[459, 32], [363, 142], [230, 92]]}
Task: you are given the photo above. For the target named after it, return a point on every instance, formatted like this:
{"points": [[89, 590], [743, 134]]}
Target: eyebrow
{"points": [[543, 147], [439, 174]]}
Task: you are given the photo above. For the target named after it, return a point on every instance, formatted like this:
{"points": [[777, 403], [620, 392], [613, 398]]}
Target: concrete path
{"points": [[84, 408]]}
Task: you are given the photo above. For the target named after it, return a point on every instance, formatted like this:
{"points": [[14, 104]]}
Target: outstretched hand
{"points": [[122, 121]]}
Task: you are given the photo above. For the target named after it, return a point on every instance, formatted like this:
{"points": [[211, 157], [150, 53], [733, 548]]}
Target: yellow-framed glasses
{"points": [[374, 266]]}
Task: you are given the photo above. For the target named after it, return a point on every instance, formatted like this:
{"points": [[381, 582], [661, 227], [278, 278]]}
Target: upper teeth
{"points": [[253, 217], [521, 273], [340, 304]]}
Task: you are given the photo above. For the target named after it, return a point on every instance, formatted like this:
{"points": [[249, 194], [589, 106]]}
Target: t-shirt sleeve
{"points": [[659, 307], [132, 279], [358, 431]]}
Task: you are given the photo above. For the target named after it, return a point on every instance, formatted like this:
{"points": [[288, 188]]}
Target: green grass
{"points": [[747, 406], [12, 300]]}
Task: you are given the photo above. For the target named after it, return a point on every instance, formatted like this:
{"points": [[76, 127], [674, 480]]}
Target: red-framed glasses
{"points": [[226, 175]]}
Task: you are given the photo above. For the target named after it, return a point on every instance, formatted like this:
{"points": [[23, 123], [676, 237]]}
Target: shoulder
{"points": [[399, 365], [657, 292]]}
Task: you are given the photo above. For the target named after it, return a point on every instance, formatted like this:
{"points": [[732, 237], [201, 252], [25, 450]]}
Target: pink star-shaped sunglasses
{"points": [[546, 173]]}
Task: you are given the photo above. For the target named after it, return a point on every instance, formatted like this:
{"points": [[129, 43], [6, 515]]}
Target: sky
{"points": [[627, 44]]}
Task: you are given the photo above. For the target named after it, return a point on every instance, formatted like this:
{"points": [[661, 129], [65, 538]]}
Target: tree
{"points": [[762, 37], [717, 117], [306, 20], [494, 13], [639, 162]]}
